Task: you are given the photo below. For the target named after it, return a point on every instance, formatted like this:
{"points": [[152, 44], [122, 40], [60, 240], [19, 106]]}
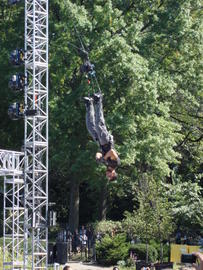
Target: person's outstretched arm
{"points": [[98, 156], [112, 154]]}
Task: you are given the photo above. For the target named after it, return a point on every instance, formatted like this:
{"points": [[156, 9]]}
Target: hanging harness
{"points": [[87, 67], [109, 162]]}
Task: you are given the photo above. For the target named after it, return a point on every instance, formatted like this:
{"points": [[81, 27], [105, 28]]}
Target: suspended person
{"points": [[87, 67], [96, 126]]}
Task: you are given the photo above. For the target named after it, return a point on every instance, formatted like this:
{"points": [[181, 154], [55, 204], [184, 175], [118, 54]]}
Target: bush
{"points": [[140, 251], [111, 250], [130, 262], [121, 263], [7, 256], [107, 227], [166, 250]]}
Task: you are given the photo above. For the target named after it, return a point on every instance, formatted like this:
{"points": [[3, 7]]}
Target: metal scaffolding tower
{"points": [[11, 162], [36, 133], [26, 174], [11, 167]]}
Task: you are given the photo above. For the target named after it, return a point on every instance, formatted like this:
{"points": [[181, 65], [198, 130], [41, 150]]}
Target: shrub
{"points": [[7, 256], [111, 250], [1, 258], [140, 251], [121, 263], [166, 250], [107, 227], [130, 262]]}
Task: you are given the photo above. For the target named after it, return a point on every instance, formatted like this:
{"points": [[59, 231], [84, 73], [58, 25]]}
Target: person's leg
{"points": [[90, 119], [104, 136]]}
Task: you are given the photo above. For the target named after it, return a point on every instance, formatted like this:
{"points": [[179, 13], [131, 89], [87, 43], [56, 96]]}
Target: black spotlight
{"points": [[13, 2], [17, 57], [16, 111], [17, 82]]}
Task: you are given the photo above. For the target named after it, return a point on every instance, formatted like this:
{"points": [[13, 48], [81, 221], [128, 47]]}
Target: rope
{"points": [[73, 45], [92, 79], [81, 43], [98, 84]]}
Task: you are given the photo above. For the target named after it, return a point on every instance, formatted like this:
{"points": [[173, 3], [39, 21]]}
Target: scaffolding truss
{"points": [[11, 167], [26, 174], [36, 133], [11, 162]]}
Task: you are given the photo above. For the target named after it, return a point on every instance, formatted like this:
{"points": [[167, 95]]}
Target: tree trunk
{"points": [[161, 251], [103, 202], [147, 252], [74, 205]]}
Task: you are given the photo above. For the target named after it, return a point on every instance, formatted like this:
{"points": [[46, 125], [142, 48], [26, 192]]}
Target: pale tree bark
{"points": [[74, 205]]}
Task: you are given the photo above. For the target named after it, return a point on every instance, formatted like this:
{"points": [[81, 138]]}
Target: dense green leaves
{"points": [[111, 250], [140, 251], [187, 205]]}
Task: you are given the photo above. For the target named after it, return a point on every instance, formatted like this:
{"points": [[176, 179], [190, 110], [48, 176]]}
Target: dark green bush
{"points": [[166, 250], [140, 251], [112, 249], [130, 262]]}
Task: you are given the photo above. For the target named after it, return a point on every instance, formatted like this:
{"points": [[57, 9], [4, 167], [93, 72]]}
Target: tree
{"points": [[187, 205], [11, 31], [132, 47], [153, 219]]}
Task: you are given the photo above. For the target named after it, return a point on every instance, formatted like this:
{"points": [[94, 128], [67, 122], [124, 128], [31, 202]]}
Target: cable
{"points": [[81, 43], [83, 49], [97, 84], [76, 47]]}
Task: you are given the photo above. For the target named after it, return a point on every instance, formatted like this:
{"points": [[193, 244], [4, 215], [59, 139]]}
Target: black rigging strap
{"points": [[87, 68]]}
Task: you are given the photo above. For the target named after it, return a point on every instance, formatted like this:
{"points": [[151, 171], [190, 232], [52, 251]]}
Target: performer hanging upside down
{"points": [[96, 126]]}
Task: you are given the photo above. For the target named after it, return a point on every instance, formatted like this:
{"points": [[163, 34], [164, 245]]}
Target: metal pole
{"points": [[36, 130], [4, 227], [10, 167]]}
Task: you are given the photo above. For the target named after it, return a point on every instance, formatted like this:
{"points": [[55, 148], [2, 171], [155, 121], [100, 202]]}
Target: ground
{"points": [[86, 266]]}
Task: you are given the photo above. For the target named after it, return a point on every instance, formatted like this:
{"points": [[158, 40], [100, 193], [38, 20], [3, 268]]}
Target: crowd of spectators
{"points": [[81, 241], [188, 239]]}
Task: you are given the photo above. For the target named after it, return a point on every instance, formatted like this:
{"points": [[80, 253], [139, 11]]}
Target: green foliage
{"points": [[121, 263], [6, 255], [112, 249], [107, 227], [1, 257], [11, 32], [153, 218], [141, 249], [187, 205], [130, 262], [166, 249]]}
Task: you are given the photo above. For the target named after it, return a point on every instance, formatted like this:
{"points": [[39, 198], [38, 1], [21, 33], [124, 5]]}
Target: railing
{"points": [[11, 162]]}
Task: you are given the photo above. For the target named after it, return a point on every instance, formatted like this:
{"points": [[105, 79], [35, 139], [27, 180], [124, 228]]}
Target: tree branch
{"points": [[184, 141], [146, 26], [197, 140], [181, 121]]}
